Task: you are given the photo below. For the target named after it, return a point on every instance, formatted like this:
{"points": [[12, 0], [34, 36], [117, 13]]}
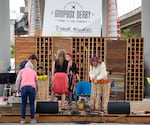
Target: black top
{"points": [[73, 68], [71, 78], [58, 68], [22, 64]]}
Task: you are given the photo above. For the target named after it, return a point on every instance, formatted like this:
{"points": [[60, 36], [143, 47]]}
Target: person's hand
{"points": [[78, 78], [37, 93], [18, 93], [74, 88], [93, 80]]}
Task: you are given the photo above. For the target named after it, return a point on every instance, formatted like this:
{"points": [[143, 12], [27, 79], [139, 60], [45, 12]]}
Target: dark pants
{"points": [[26, 92]]}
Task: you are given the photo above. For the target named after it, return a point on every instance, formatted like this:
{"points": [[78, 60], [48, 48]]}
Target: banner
{"points": [[72, 18]]}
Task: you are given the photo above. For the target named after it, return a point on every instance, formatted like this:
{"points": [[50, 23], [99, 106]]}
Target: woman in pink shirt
{"points": [[27, 83]]}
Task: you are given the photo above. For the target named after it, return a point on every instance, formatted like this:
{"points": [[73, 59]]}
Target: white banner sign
{"points": [[72, 18]]}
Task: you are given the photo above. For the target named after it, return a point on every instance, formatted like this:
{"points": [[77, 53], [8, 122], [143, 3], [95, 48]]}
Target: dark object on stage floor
{"points": [[118, 108], [147, 112], [75, 112], [7, 78], [47, 107]]}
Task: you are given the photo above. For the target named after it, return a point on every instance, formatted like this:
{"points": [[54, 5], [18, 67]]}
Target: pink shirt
{"points": [[28, 77]]}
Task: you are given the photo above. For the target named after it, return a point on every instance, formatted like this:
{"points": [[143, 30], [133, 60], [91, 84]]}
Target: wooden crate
{"points": [[5, 109], [44, 53], [43, 92], [16, 108]]}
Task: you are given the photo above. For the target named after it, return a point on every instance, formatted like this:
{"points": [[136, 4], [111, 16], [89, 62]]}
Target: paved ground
{"points": [[72, 124]]}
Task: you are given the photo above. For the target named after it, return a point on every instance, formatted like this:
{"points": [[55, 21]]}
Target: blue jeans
{"points": [[27, 91]]}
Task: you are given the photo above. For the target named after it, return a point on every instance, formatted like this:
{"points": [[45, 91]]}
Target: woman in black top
{"points": [[72, 75], [60, 77]]}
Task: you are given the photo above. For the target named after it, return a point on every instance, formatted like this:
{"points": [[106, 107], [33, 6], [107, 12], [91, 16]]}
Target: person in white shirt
{"points": [[100, 90]]}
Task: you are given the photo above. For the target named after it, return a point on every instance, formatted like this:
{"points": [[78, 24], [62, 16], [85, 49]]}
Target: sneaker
{"points": [[22, 121], [33, 121]]}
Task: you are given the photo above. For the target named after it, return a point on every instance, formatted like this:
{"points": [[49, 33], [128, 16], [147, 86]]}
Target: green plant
{"points": [[127, 33], [12, 49]]}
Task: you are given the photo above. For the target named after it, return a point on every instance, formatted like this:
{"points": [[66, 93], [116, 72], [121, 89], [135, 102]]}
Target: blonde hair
{"points": [[61, 56]]}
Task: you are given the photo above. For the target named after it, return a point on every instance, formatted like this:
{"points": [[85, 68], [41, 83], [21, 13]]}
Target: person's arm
{"points": [[18, 82], [68, 67], [53, 68], [77, 77], [76, 71], [103, 72], [91, 73], [36, 82]]}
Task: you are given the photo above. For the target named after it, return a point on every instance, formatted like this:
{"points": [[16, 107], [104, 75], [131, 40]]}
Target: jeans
{"points": [[27, 91]]}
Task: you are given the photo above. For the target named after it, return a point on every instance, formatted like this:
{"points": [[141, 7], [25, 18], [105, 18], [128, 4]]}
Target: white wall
{"points": [[4, 38], [146, 36], [104, 17]]}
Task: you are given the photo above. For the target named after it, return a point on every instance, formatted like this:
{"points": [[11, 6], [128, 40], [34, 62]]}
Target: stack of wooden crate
{"points": [[43, 90], [135, 69], [84, 48], [44, 53]]}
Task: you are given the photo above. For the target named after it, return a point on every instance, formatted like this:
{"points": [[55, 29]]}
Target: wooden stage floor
{"points": [[139, 114]]}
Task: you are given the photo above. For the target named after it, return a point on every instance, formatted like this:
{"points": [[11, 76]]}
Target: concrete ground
{"points": [[72, 124]]}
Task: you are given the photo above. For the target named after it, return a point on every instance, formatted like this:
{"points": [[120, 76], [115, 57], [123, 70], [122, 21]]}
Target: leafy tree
{"points": [[127, 33]]}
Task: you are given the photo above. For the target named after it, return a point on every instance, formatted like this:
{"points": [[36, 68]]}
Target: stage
{"points": [[80, 119], [139, 113]]}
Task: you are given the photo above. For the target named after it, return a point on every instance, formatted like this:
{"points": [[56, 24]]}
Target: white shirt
{"points": [[98, 72]]}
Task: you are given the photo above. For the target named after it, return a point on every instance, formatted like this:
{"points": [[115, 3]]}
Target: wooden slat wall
{"points": [[61, 43], [24, 47], [84, 48], [116, 55], [135, 69], [44, 53], [47, 47]]}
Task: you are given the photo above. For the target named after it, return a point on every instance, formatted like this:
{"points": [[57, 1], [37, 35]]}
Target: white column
{"points": [[4, 38], [146, 35], [112, 19], [104, 17], [34, 16]]}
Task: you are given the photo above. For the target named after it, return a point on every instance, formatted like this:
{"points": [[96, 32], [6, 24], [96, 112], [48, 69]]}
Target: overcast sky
{"points": [[15, 8], [124, 6]]}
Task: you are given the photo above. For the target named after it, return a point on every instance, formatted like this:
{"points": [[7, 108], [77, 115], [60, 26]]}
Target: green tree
{"points": [[127, 33]]}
